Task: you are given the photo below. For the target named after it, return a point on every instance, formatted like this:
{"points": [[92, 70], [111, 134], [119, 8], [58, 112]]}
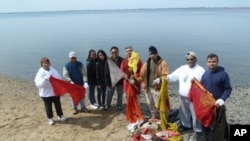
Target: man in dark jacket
{"points": [[217, 81], [119, 85]]}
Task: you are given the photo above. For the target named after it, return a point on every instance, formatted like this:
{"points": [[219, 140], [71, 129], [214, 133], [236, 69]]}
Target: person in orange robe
{"points": [[131, 88]]}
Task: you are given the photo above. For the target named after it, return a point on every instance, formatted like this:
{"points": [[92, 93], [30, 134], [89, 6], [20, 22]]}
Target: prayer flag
{"points": [[204, 103], [61, 87], [133, 112], [163, 103]]}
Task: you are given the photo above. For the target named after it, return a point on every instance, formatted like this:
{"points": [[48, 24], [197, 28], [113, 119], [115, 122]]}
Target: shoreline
{"points": [[238, 98], [23, 116]]}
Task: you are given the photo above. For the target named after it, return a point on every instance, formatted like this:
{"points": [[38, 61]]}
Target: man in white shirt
{"points": [[184, 74]]}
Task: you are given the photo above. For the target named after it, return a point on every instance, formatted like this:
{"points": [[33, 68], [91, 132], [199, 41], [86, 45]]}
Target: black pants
{"points": [[218, 130], [48, 105]]}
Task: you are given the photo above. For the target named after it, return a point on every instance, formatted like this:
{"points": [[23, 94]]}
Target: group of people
{"points": [[216, 81], [146, 79]]}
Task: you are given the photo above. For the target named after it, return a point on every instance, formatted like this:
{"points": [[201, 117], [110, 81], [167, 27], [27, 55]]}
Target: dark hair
{"points": [[212, 55], [44, 59], [114, 47], [103, 53], [91, 50]]}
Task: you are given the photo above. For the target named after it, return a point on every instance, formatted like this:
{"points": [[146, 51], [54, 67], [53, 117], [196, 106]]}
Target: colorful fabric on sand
{"points": [[61, 87], [163, 103], [161, 129], [133, 112], [203, 103], [150, 131]]}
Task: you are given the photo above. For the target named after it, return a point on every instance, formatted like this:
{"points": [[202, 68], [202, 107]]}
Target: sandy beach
{"points": [[23, 116]]}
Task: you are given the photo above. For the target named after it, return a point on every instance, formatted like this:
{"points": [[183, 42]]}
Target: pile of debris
{"points": [[151, 131]]}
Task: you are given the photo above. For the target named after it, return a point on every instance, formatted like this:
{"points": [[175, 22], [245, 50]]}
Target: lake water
{"points": [[26, 37]]}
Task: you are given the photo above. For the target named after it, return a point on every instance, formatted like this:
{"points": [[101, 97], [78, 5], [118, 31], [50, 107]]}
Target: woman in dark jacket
{"points": [[100, 77], [91, 74]]}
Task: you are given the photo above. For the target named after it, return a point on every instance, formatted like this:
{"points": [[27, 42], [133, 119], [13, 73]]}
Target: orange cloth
{"points": [[133, 111], [203, 103], [61, 87]]}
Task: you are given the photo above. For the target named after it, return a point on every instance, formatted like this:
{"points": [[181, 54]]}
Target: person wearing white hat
{"points": [[75, 73], [184, 74]]}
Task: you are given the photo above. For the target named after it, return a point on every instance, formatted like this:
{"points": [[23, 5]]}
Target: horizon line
{"points": [[49, 11]]}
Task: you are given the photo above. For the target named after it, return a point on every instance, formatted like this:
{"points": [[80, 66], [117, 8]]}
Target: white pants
{"points": [[187, 114]]}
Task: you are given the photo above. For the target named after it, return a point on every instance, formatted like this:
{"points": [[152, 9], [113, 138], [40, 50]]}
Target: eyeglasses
{"points": [[114, 52]]}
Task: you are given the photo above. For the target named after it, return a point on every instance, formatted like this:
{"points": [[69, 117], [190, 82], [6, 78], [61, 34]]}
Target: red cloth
{"points": [[125, 68], [204, 103], [61, 87], [133, 111]]}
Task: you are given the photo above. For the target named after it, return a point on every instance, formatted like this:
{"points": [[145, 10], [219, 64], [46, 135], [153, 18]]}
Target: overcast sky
{"points": [[61, 5]]}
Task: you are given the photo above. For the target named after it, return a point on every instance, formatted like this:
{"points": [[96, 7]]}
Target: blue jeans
{"points": [[82, 104], [92, 94], [110, 93]]}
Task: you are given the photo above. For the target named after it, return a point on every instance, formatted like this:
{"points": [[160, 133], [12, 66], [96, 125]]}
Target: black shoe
{"points": [[106, 108], [85, 110], [200, 136], [75, 111], [183, 128], [119, 108]]}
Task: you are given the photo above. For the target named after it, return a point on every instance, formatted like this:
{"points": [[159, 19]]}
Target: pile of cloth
{"points": [[155, 129], [152, 131]]}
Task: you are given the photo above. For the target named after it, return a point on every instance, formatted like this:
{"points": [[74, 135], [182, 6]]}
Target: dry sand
{"points": [[23, 116]]}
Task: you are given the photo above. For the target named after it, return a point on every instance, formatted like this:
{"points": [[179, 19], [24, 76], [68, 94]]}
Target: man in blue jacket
{"points": [[216, 80], [75, 73]]}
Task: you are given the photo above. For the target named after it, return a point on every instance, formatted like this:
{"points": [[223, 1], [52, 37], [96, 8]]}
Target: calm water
{"points": [[26, 37]]}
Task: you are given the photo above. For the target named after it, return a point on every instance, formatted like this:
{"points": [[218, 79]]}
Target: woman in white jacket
{"points": [[46, 91]]}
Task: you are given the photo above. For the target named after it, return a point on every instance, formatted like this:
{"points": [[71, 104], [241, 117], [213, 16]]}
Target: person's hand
{"points": [[157, 81], [219, 102], [125, 76], [46, 77], [193, 79], [132, 81], [86, 85], [132, 77], [72, 82]]}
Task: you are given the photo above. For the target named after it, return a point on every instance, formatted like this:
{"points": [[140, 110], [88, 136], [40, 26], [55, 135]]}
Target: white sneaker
{"points": [[193, 137], [51, 121], [62, 118], [93, 106]]}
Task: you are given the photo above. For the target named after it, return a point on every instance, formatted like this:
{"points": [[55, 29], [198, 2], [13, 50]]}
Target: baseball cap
{"points": [[72, 54]]}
